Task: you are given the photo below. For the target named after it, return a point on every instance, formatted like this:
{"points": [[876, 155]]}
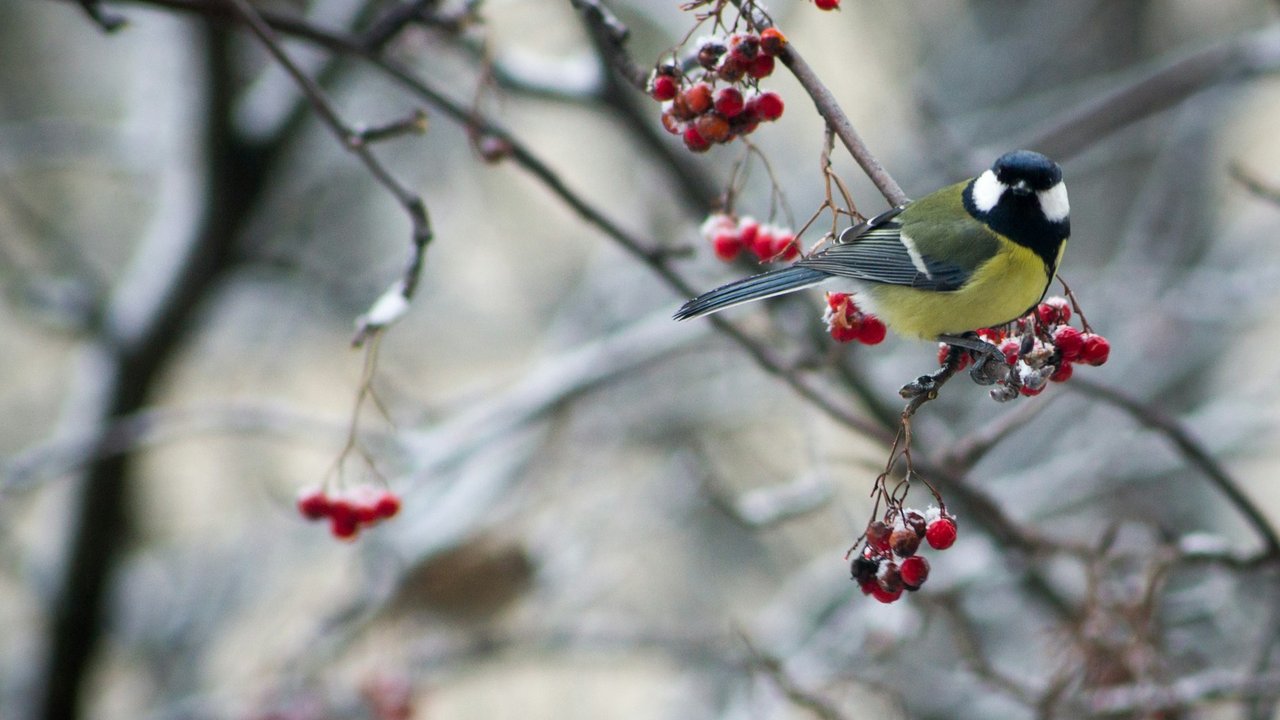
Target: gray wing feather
{"points": [[756, 287], [877, 254]]}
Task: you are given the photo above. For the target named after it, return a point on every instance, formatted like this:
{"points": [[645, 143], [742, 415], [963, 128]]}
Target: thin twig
{"points": [[1253, 183], [353, 142], [799, 696], [830, 111], [109, 22]]}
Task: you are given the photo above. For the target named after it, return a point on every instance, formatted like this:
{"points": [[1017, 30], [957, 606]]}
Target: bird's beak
{"points": [[1021, 188]]}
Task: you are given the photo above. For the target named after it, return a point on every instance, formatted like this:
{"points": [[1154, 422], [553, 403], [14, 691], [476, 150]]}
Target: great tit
{"points": [[976, 254]]}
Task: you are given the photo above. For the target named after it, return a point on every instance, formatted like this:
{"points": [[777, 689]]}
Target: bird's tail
{"points": [[756, 287]]}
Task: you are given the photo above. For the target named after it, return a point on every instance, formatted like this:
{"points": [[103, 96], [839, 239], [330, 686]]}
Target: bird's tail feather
{"points": [[756, 287]]}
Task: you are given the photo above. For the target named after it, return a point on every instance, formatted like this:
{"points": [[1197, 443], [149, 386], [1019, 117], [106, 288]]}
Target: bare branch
{"points": [[1149, 698], [1193, 452], [354, 142], [1167, 85], [1254, 184]]}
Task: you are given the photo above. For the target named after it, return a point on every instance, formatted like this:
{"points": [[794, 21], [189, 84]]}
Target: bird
{"points": [[976, 254]]}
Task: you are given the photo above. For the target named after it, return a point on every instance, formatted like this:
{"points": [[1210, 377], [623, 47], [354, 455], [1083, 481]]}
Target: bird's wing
{"points": [[880, 253]]}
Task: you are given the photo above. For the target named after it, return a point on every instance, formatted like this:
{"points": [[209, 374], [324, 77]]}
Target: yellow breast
{"points": [[1000, 290]]}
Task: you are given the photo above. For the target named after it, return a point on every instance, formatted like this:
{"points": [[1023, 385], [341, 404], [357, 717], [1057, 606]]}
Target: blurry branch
{"points": [[609, 35], [773, 667], [967, 451], [1254, 184], [968, 642], [1073, 130], [423, 12], [1150, 698], [354, 142], [550, 383], [1193, 452], [109, 22], [150, 427]]}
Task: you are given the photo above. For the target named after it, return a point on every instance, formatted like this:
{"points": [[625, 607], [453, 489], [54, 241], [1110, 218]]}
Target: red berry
{"points": [[386, 505], [1063, 373], [863, 569], [761, 66], [313, 504], [767, 105], [1031, 391], [1069, 342], [748, 229], [1011, 349], [732, 67], [880, 593], [366, 511], [914, 571], [709, 54], [1096, 349], [941, 533], [694, 140], [889, 578], [944, 349], [745, 45], [671, 124], [726, 246], [1057, 308], [729, 101], [878, 534], [772, 41], [846, 331], [784, 247], [763, 246], [697, 98], [905, 542], [344, 527], [838, 300], [663, 87], [713, 128], [827, 4], [871, 331]]}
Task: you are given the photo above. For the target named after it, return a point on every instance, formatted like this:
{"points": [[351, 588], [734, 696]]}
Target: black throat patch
{"points": [[1019, 218]]}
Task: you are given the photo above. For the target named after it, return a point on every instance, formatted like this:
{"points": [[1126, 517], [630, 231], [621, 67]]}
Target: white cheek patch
{"points": [[987, 191], [1053, 202], [914, 253]]}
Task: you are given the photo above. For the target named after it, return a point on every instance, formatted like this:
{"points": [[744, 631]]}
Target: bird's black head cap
{"points": [[1036, 171]]}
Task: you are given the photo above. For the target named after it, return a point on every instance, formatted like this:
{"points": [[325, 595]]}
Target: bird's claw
{"points": [[988, 371]]}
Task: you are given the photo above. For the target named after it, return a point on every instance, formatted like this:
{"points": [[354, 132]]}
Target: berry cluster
{"points": [[729, 237], [704, 115], [827, 4], [349, 511], [846, 322], [1040, 348], [888, 563]]}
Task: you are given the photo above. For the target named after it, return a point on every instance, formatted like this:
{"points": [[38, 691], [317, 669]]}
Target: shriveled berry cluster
{"points": [[730, 236], [846, 322], [888, 563], [703, 114], [350, 511], [1040, 348]]}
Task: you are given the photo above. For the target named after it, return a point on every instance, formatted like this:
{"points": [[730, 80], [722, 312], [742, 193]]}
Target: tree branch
{"points": [[1194, 453]]}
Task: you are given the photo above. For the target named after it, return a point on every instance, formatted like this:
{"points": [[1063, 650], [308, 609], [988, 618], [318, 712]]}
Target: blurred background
{"points": [[608, 514]]}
